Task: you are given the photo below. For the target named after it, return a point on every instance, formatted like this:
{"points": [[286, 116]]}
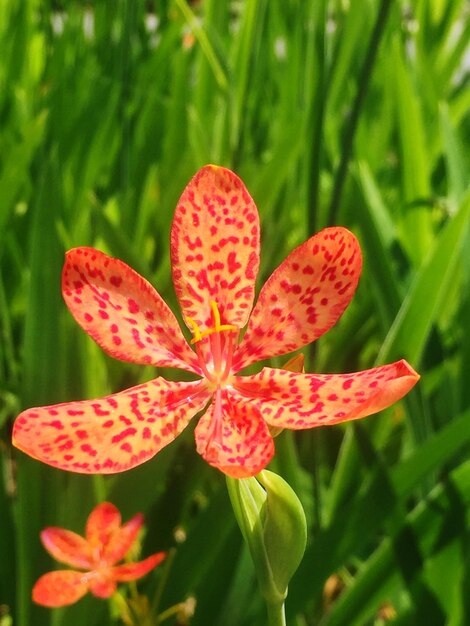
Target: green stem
{"points": [[167, 613], [99, 488], [163, 581], [276, 614]]}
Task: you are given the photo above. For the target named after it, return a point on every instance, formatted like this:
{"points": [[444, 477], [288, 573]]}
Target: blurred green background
{"points": [[344, 112]]}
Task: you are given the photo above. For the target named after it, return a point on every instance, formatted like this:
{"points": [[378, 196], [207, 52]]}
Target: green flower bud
{"points": [[274, 527]]}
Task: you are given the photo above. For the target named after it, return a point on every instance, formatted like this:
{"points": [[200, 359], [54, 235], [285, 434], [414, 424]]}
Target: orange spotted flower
{"points": [[215, 250], [106, 543]]}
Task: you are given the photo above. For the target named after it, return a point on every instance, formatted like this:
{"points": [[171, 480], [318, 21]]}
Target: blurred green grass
{"points": [[352, 112]]}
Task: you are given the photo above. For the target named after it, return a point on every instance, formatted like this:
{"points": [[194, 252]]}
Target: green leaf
{"points": [[429, 527], [427, 294], [458, 170], [383, 494]]}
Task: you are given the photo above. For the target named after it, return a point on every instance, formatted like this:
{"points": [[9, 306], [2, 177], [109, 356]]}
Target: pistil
{"points": [[219, 345], [218, 327]]}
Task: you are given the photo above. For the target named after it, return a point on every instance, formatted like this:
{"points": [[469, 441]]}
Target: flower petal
{"points": [[133, 571], [102, 524], [60, 588], [215, 248], [122, 539], [102, 583], [290, 400], [122, 312], [110, 434], [66, 547], [233, 437], [304, 297]]}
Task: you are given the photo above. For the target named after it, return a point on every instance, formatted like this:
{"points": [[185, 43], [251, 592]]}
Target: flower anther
{"points": [[215, 356]]}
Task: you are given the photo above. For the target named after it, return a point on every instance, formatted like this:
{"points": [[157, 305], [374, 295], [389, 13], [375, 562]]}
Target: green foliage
{"points": [[356, 111]]}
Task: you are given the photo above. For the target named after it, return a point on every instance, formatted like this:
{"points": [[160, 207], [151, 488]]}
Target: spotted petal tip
{"points": [[110, 434], [215, 243], [66, 547], [60, 588], [122, 539], [133, 571], [299, 401], [304, 297], [122, 312]]}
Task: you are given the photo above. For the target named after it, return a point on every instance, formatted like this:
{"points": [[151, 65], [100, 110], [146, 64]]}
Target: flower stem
{"points": [[276, 614], [167, 613], [155, 604]]}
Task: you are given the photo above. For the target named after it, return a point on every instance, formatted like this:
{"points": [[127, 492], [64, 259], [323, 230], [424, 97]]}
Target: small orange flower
{"points": [[106, 543]]}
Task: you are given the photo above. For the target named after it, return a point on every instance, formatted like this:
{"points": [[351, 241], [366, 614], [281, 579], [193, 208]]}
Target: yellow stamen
{"points": [[196, 331], [215, 313], [199, 334]]}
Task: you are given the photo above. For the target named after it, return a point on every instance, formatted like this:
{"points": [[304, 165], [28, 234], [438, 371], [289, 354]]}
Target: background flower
{"points": [[106, 542]]}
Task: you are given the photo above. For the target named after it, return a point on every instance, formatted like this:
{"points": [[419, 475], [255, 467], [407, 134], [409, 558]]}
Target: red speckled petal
{"points": [[215, 248], [122, 312], [122, 539], [304, 297], [290, 400], [111, 434], [234, 438], [133, 571], [60, 588], [102, 583], [102, 524], [67, 547]]}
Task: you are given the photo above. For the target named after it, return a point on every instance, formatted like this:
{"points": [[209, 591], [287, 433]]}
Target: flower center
{"points": [[214, 347]]}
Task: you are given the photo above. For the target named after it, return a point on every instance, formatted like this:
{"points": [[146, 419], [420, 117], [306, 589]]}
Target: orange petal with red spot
{"points": [[215, 248], [60, 588], [67, 547], [122, 312], [120, 542], [102, 524], [290, 400], [102, 583], [240, 444], [304, 297], [133, 571], [110, 434]]}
